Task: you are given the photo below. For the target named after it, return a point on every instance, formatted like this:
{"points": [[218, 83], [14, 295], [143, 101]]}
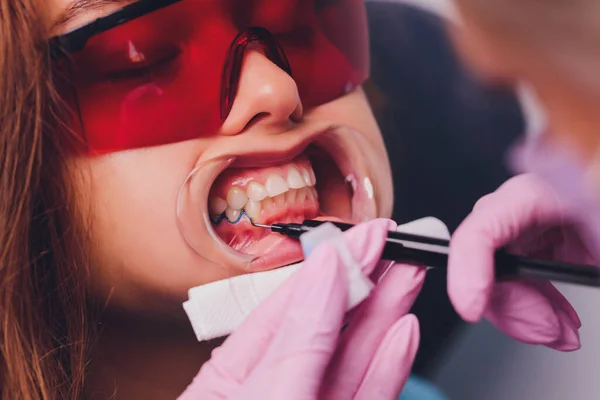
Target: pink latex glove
{"points": [[291, 346], [525, 216]]}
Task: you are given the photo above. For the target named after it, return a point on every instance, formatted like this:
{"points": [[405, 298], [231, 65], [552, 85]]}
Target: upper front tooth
{"points": [[276, 185], [306, 177], [217, 205], [236, 198], [294, 179], [256, 191]]}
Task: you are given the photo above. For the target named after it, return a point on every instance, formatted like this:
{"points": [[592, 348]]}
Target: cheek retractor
{"points": [[194, 221]]}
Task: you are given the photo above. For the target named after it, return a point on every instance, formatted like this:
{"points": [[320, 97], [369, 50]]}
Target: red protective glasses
{"points": [[158, 72]]}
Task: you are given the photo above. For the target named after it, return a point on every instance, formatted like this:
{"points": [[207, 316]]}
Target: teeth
{"points": [[231, 214], [217, 206], [312, 193], [279, 200], [302, 194], [267, 203], [306, 177], [313, 178], [276, 185], [256, 191], [236, 198], [291, 196], [276, 192], [253, 209], [294, 179]]}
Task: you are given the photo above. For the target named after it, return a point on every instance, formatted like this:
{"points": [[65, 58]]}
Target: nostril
{"points": [[256, 119]]}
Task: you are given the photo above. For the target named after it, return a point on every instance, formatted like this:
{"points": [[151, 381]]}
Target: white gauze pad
{"points": [[216, 309], [359, 285]]}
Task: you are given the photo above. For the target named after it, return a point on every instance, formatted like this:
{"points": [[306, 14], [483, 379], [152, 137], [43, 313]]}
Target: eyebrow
{"points": [[78, 7]]}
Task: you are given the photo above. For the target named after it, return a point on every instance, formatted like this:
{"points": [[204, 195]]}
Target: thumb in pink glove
{"points": [[291, 343], [525, 217]]}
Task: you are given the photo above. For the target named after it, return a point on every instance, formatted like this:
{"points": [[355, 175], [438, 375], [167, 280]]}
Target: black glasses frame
{"points": [[75, 40]]}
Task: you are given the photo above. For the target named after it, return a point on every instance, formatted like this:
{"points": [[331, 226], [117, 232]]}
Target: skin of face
{"points": [[140, 257], [572, 112]]}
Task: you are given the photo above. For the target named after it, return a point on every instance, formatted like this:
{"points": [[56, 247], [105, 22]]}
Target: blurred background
{"points": [[447, 136]]}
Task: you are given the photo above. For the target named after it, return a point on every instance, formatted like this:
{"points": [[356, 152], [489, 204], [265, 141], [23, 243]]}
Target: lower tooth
{"points": [[301, 196], [232, 215], [279, 200], [291, 196], [267, 203], [253, 209]]}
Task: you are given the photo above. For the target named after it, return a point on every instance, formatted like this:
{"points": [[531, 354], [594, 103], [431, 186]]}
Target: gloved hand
{"points": [[292, 345], [525, 216]]}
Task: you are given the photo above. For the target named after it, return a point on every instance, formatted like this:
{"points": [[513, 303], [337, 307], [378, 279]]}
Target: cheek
{"points": [[354, 111], [139, 254]]}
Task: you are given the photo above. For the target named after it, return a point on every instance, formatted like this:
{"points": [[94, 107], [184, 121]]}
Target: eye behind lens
{"points": [[151, 64]]}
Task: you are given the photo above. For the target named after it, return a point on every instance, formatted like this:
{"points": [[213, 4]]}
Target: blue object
{"points": [[420, 389]]}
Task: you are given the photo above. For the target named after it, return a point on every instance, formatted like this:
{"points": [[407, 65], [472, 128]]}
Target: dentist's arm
{"points": [[525, 217]]}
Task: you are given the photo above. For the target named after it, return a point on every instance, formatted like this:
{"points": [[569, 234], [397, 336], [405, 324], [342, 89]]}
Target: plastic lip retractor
{"points": [[345, 148], [193, 218]]}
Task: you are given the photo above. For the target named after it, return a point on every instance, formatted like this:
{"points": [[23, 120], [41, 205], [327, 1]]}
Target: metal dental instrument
{"points": [[433, 252]]}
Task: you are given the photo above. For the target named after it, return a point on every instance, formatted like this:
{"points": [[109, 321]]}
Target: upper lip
{"points": [[269, 150]]}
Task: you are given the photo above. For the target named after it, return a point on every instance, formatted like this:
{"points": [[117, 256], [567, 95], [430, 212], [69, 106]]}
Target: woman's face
{"points": [[159, 229]]}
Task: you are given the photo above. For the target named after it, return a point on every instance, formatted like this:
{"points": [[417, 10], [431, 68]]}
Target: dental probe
{"points": [[433, 252]]}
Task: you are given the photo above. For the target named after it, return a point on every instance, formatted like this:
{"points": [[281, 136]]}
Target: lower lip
{"points": [[277, 251]]}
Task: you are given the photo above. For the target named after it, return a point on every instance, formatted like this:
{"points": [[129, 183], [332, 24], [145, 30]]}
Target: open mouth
{"points": [[309, 186], [325, 175]]}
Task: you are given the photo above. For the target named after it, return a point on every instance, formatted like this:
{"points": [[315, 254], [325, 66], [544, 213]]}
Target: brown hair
{"points": [[44, 332]]}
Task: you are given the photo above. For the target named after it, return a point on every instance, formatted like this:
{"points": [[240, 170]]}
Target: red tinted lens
{"points": [[158, 78]]}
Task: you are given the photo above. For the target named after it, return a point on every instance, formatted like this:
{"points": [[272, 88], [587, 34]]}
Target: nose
{"points": [[267, 98]]}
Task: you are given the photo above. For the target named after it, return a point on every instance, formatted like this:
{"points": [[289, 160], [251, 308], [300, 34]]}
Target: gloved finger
{"points": [[254, 335], [239, 355], [392, 363], [294, 364], [496, 220], [390, 301], [570, 323], [366, 242], [569, 339], [558, 300], [522, 312]]}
